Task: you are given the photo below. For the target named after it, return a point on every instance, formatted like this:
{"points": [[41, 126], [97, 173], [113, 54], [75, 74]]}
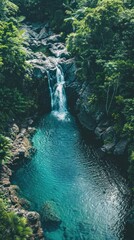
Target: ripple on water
{"points": [[91, 195]]}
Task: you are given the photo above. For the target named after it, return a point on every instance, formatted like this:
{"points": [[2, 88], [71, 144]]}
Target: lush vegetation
{"points": [[100, 38], [102, 43], [40, 10], [14, 104], [12, 227]]}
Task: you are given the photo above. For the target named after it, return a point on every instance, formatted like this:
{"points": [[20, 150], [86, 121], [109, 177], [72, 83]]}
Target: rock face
{"points": [[50, 215], [22, 148], [95, 121], [44, 51]]}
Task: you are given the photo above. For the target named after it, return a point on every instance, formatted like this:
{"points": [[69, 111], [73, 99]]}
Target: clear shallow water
{"points": [[90, 194]]}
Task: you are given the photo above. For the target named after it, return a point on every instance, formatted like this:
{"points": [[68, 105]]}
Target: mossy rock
{"points": [[50, 215]]}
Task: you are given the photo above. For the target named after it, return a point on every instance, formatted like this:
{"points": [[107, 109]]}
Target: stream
{"points": [[90, 195]]}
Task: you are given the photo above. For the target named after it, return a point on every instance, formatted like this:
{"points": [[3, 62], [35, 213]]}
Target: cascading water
{"points": [[57, 92]]}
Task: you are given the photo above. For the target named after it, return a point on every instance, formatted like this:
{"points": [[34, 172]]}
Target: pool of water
{"points": [[90, 194]]}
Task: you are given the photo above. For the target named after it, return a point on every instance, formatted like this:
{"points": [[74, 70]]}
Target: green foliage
{"points": [[102, 43], [5, 149], [128, 112], [11, 51], [103, 46], [7, 9], [13, 104], [12, 227], [52, 11]]}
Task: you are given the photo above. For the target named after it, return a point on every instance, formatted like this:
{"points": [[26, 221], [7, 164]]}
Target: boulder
{"points": [[14, 199], [53, 38], [6, 170], [121, 147], [43, 33], [33, 217], [69, 70], [99, 132], [108, 148], [50, 215], [59, 53], [14, 190], [31, 130], [86, 120], [109, 135], [22, 152], [6, 182]]}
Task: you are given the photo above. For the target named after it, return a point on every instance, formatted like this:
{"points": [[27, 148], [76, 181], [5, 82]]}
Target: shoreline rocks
{"points": [[22, 151]]}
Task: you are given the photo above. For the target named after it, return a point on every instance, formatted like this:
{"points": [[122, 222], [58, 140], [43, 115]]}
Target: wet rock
{"points": [[33, 217], [6, 170], [14, 190], [34, 222], [54, 38], [30, 121], [50, 215], [39, 72], [99, 132], [121, 147], [21, 152], [40, 234], [14, 130], [24, 203], [43, 33], [31, 130], [108, 148], [32, 151], [6, 182], [59, 53], [109, 135], [14, 199], [86, 120], [58, 46], [69, 70]]}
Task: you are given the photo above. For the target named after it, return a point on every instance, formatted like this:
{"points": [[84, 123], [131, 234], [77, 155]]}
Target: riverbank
{"points": [[22, 152]]}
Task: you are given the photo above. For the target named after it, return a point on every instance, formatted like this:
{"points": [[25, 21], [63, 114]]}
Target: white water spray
{"points": [[57, 92]]}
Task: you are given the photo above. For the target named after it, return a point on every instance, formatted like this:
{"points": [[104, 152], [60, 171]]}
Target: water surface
{"points": [[91, 196]]}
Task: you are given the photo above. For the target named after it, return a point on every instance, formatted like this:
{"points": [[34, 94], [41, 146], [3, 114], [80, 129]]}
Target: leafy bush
{"points": [[5, 149], [12, 226]]}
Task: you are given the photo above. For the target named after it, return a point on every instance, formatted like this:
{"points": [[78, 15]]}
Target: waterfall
{"points": [[57, 92]]}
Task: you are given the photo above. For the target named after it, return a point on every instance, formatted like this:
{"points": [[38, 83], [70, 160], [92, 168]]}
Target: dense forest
{"points": [[99, 34]]}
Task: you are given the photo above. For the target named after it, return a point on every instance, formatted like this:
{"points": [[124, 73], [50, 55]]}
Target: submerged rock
{"points": [[108, 148], [50, 215]]}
